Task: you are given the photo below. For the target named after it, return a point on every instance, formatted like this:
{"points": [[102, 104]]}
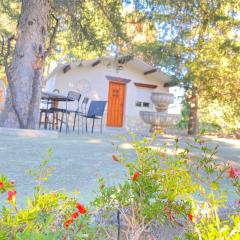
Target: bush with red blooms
{"points": [[80, 210], [234, 175], [162, 187], [158, 188], [7, 186], [44, 215]]}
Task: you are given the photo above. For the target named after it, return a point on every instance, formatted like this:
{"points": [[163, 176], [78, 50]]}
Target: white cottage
{"points": [[126, 86]]}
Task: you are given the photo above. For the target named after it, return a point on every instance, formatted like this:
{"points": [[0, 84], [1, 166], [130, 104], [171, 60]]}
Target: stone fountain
{"points": [[160, 119]]}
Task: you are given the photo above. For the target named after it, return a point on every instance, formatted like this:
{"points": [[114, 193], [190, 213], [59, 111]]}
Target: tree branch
{"points": [[5, 56], [52, 38], [7, 53], [3, 45]]}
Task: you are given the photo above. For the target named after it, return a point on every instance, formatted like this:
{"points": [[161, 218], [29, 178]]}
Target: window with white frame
{"points": [[143, 98]]}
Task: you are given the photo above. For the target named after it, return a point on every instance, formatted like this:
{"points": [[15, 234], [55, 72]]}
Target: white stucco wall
{"points": [[92, 82], [50, 84]]}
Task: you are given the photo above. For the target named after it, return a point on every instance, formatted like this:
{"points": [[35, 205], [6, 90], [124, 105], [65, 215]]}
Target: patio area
{"points": [[79, 160]]}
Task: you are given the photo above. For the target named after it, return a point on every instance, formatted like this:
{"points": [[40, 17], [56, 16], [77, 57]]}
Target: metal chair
{"points": [[72, 96], [46, 111], [55, 104], [82, 112], [95, 111]]}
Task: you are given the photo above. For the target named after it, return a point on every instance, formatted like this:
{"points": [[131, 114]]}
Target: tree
{"points": [[8, 21], [34, 41], [200, 40]]}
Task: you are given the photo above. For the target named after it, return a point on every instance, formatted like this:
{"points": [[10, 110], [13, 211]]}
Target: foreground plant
{"points": [[158, 189], [167, 188], [45, 214]]}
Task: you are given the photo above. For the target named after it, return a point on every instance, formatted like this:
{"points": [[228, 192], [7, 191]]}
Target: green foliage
{"points": [[167, 187], [43, 213], [198, 44], [183, 124], [43, 171], [86, 27], [213, 228], [163, 188], [222, 116]]}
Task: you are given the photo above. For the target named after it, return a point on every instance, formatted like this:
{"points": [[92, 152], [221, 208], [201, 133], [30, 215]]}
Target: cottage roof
{"points": [[147, 69]]}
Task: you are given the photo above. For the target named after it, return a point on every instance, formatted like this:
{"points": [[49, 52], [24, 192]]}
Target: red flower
{"points": [[135, 176], [115, 158], [68, 222], [74, 215], [190, 217], [11, 195], [233, 173], [81, 208], [1, 184]]}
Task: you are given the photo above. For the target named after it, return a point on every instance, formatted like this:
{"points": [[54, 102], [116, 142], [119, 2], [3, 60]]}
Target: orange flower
{"points": [[201, 142], [135, 176], [115, 158], [1, 184], [74, 215], [11, 195], [81, 208], [190, 217], [233, 173], [68, 222]]}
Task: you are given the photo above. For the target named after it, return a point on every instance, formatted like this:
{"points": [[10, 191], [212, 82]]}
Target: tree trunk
{"points": [[193, 119], [26, 70]]}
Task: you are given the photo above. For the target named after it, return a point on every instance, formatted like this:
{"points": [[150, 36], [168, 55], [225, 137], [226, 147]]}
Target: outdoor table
{"points": [[53, 98]]}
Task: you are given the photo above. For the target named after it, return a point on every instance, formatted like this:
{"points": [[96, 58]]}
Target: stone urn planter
{"points": [[160, 119], [161, 100]]}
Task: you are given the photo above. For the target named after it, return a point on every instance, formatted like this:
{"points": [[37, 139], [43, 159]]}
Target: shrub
{"points": [[157, 188], [163, 187]]}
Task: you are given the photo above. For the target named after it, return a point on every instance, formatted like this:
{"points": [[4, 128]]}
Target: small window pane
{"points": [[138, 104], [146, 104]]}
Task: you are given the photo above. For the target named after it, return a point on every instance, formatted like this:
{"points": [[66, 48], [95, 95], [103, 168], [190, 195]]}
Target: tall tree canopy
{"points": [[199, 43]]}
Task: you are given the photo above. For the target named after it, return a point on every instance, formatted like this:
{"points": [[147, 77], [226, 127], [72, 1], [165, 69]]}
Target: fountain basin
{"points": [[161, 100], [159, 120]]}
